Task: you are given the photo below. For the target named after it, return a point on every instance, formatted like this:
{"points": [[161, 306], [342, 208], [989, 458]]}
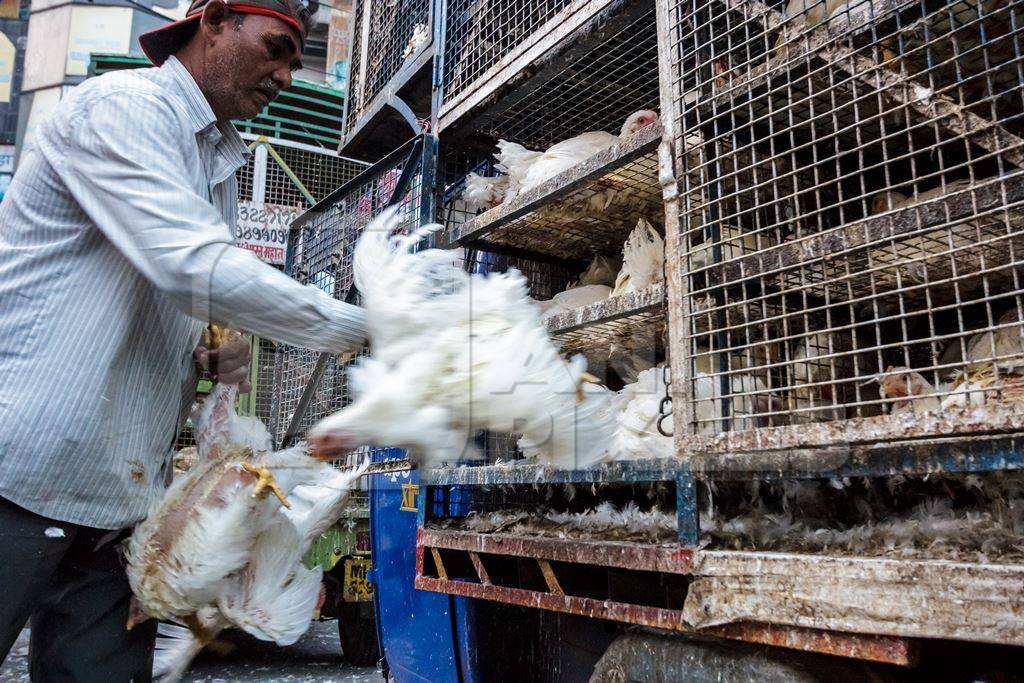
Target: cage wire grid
{"points": [[851, 218], [389, 47], [321, 245], [634, 323], [480, 33], [320, 173]]}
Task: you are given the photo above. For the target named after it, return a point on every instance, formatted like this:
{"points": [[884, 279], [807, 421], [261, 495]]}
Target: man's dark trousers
{"points": [[69, 583]]}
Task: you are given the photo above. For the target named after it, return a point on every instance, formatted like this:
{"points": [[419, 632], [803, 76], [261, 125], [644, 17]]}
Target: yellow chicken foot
{"points": [[265, 482], [585, 377]]}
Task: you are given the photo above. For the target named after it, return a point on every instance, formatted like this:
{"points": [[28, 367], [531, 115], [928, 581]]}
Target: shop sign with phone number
{"points": [[263, 230]]}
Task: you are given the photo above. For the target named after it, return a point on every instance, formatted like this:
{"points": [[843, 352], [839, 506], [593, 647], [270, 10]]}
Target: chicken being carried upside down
{"points": [[224, 546]]}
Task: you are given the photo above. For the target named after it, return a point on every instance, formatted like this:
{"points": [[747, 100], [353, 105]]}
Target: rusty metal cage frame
{"points": [[589, 74], [381, 41]]}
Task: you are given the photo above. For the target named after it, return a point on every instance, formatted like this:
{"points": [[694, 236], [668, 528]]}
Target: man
{"points": [[115, 250]]}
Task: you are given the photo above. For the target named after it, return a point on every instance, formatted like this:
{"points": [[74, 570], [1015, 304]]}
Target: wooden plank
{"points": [[904, 598]]}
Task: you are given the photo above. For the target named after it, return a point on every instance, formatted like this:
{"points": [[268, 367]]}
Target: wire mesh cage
{"points": [[387, 36], [318, 172], [480, 33], [572, 82], [320, 249], [850, 218], [595, 81]]}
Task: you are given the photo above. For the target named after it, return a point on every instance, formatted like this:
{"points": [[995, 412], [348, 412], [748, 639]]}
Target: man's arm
{"points": [[129, 180]]}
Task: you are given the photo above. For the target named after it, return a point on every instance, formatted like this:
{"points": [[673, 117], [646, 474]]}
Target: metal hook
{"points": [[665, 414]]}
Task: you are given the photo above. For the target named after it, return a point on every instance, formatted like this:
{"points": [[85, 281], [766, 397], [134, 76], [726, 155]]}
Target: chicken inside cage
{"points": [[842, 207]]}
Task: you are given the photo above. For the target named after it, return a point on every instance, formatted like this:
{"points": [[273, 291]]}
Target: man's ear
{"points": [[215, 17]]}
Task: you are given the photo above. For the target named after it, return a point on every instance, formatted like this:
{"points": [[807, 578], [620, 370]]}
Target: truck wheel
{"points": [[358, 640]]}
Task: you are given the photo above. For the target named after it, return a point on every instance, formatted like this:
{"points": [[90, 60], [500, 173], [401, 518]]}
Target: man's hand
{"points": [[229, 363]]}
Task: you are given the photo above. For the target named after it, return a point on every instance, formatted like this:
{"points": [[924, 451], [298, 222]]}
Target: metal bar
{"points": [[481, 571], [441, 572], [634, 470], [549, 577], [383, 467], [671, 559], [992, 419], [976, 453], [601, 164], [816, 248], [671, 169], [655, 617], [290, 173], [874, 648], [622, 306], [259, 173], [388, 162], [291, 434], [687, 512], [882, 649]]}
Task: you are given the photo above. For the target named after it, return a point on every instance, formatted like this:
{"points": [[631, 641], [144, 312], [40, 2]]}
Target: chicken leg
{"points": [[265, 483], [585, 377]]}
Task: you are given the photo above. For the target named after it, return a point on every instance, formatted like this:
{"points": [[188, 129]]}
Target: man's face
{"points": [[250, 60]]}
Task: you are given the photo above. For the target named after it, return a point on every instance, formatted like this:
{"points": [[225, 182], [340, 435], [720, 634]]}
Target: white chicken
{"points": [[748, 397], [527, 168], [913, 393], [573, 298], [601, 271], [420, 37], [515, 161], [989, 371], [484, 193], [643, 259], [991, 368], [217, 551], [455, 353]]}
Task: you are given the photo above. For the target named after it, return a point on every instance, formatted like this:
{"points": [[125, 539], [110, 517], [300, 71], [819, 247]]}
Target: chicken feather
{"points": [[454, 353], [213, 554]]}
